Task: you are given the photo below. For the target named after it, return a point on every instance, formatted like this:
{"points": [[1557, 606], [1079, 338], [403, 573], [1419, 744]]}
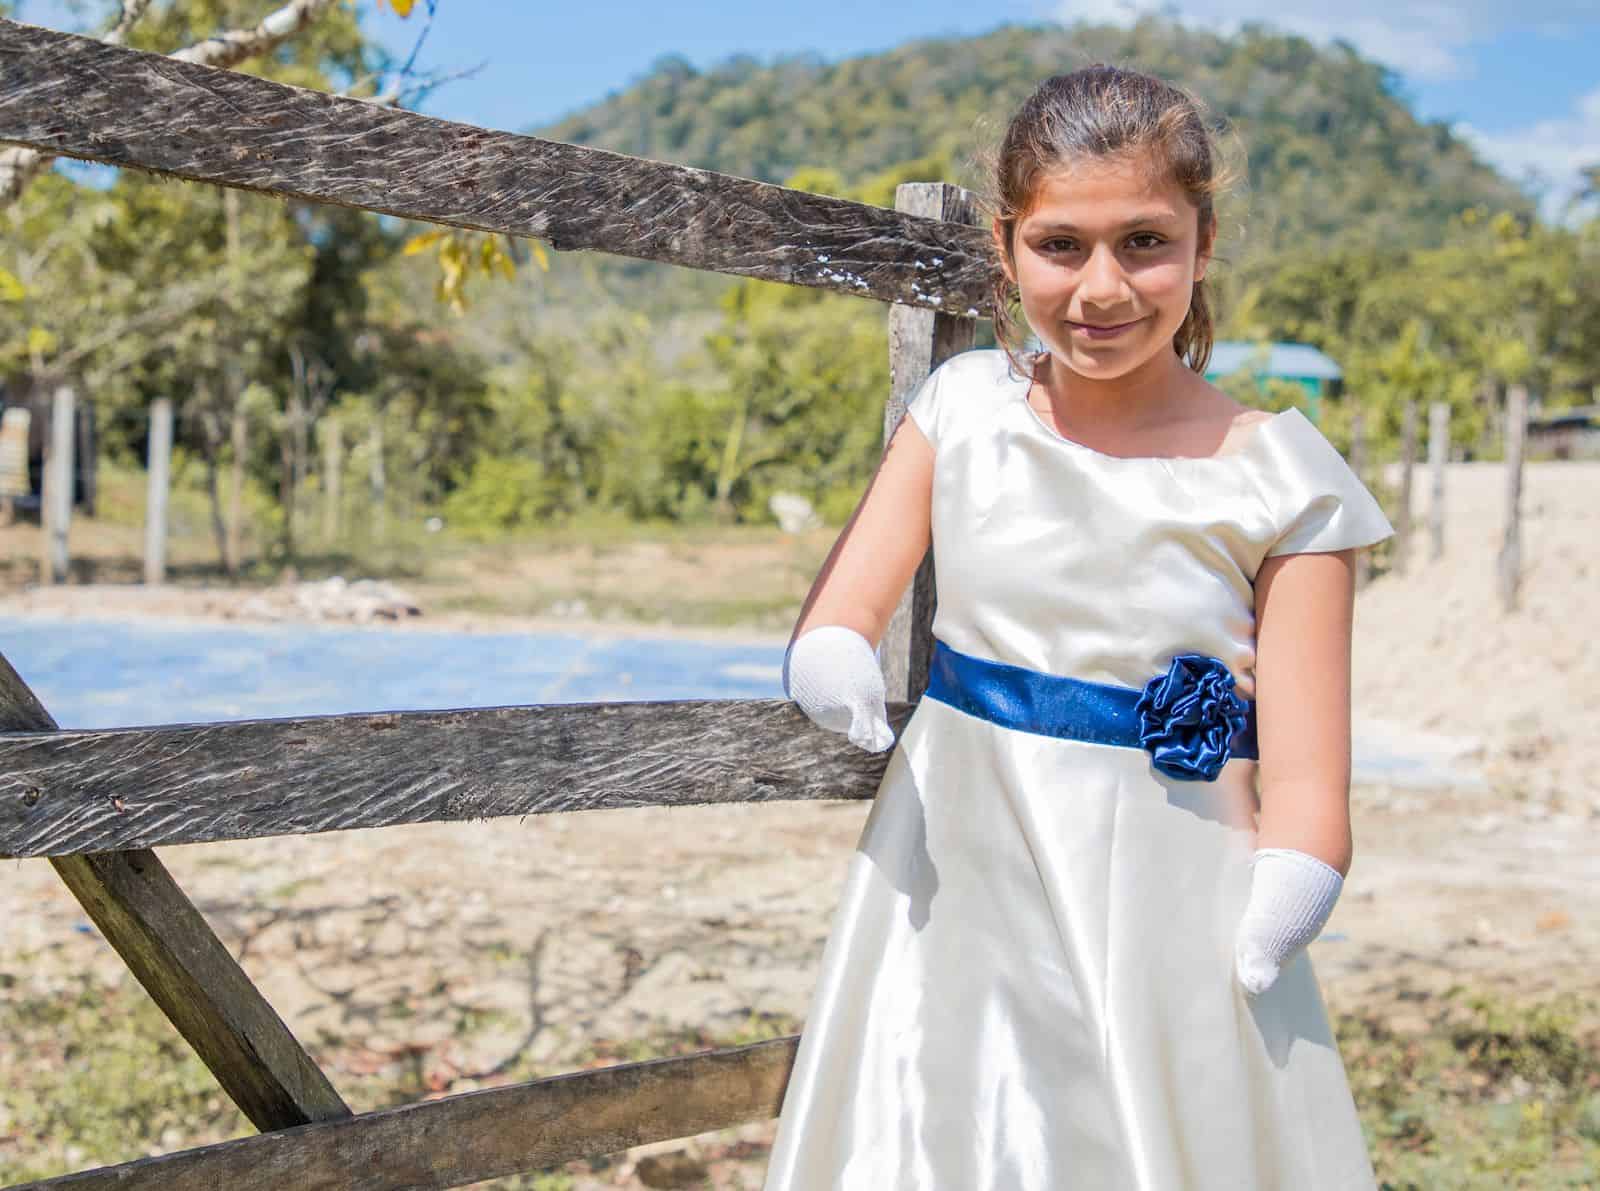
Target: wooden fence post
{"points": [[1358, 464], [1408, 459], [1438, 451], [1509, 563], [919, 341], [158, 471], [59, 476]]}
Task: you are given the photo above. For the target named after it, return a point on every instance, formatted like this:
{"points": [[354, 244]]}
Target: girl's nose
{"points": [[1101, 281]]}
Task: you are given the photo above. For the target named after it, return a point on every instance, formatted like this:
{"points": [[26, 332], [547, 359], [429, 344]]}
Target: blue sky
{"points": [[1522, 81]]}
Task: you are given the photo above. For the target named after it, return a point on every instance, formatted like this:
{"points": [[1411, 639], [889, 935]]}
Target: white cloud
{"points": [[1423, 41], [1545, 156]]}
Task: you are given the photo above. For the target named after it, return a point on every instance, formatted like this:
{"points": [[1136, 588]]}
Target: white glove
{"points": [[1291, 896], [832, 673]]}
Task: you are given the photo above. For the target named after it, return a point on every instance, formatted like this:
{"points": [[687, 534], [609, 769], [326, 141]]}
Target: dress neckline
{"points": [[1025, 386]]}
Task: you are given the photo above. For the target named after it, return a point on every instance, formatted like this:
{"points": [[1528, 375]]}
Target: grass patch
{"points": [[1492, 1095], [96, 1075]]}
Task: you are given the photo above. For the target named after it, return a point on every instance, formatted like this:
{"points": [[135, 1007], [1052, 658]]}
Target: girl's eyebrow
{"points": [[1146, 217]]}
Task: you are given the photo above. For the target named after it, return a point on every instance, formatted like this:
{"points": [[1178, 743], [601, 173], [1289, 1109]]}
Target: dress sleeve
{"points": [[1317, 503]]}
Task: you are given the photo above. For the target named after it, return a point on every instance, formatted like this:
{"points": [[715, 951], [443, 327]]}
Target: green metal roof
{"points": [[1297, 360]]}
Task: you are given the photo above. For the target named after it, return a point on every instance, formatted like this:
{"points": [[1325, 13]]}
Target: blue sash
{"points": [[1188, 719]]}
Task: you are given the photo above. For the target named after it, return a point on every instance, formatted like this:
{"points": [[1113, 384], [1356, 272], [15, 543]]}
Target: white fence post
{"points": [[158, 473], [60, 475]]}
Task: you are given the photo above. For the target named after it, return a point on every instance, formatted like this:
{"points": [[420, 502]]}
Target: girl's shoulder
{"points": [[1315, 500], [964, 388]]}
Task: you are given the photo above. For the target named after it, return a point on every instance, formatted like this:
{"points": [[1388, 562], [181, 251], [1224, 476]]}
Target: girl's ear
{"points": [[1208, 244], [999, 230]]}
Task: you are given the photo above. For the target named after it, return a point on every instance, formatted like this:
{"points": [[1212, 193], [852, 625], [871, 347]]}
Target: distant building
{"points": [[1565, 434], [24, 449], [1298, 363]]}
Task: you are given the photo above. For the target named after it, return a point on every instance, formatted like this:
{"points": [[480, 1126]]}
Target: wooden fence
{"points": [[1508, 559], [97, 802]]}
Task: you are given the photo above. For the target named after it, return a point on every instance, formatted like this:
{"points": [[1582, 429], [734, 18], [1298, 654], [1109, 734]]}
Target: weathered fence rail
{"points": [[96, 802], [75, 97], [71, 793]]}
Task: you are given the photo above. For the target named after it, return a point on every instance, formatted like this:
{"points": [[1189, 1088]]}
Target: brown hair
{"points": [[1106, 112]]}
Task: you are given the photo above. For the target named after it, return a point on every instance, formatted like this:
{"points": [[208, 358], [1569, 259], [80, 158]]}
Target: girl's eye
{"points": [[1067, 244]]}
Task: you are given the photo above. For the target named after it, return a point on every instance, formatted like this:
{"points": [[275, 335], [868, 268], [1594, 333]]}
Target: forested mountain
{"points": [[1333, 152]]}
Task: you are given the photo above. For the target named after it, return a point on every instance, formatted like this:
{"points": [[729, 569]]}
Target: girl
{"points": [[1069, 952]]}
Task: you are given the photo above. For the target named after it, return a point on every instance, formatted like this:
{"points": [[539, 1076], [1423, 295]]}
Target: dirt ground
{"points": [[473, 953], [492, 947]]}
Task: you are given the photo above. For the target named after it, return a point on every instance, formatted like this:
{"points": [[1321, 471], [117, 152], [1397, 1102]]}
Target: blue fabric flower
{"points": [[1188, 716]]}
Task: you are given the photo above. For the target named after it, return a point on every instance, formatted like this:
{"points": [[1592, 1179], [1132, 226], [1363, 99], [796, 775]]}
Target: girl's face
{"points": [[1106, 260]]}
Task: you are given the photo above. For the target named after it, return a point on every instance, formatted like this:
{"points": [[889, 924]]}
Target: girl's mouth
{"points": [[1091, 331]]}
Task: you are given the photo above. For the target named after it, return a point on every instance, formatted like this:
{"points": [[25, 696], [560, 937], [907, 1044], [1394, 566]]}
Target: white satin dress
{"points": [[1029, 985]]}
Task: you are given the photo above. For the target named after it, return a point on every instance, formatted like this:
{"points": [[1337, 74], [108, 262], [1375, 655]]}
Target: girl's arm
{"points": [[878, 550], [1304, 612], [1304, 609], [830, 668]]}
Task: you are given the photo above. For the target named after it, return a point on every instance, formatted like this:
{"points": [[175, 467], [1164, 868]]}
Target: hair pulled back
{"points": [[1097, 113]]}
